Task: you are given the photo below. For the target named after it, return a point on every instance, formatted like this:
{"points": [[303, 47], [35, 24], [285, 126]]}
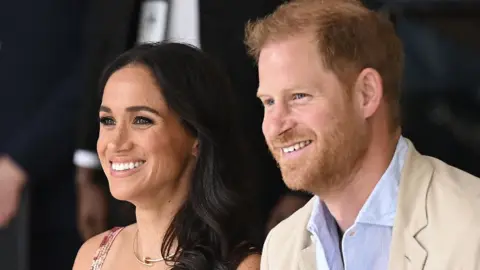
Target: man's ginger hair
{"points": [[350, 38]]}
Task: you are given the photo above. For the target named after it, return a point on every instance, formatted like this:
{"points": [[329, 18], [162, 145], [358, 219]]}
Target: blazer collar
{"points": [[411, 218], [306, 259]]}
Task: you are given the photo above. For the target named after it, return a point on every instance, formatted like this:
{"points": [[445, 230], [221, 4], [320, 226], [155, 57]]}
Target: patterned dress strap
{"points": [[104, 247]]}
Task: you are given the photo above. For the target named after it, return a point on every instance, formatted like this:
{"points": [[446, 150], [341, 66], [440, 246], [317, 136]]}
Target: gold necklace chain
{"points": [[147, 261]]}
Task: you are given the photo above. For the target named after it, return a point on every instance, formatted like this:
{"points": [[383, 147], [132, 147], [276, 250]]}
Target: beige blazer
{"points": [[437, 225]]}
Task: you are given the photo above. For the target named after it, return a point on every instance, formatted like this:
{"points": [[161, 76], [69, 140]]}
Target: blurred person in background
{"points": [[286, 205], [330, 74], [214, 26], [171, 144], [441, 85], [39, 52]]}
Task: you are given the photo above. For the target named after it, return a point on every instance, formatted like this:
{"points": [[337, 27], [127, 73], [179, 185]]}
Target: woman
{"points": [[170, 145]]}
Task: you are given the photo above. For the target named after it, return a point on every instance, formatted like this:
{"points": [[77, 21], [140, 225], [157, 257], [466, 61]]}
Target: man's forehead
{"points": [[291, 46]]}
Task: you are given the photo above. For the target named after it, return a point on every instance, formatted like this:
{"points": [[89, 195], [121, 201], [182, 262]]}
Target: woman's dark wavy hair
{"points": [[216, 228]]}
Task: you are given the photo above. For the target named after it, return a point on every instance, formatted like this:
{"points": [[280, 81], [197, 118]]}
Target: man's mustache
{"points": [[289, 137]]}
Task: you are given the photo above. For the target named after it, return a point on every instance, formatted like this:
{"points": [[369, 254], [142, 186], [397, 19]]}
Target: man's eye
{"points": [[299, 96], [268, 102], [140, 120], [106, 121]]}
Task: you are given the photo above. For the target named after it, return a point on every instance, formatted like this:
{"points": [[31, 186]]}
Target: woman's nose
{"points": [[120, 139]]}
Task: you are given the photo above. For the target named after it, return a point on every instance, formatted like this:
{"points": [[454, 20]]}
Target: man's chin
{"points": [[295, 182]]}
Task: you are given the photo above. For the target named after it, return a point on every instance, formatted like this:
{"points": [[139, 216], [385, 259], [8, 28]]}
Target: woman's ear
{"points": [[195, 148]]}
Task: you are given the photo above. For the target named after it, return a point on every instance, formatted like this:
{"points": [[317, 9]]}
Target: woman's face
{"points": [[143, 148]]}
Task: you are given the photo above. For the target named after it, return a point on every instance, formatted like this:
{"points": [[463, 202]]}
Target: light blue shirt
{"points": [[366, 244]]}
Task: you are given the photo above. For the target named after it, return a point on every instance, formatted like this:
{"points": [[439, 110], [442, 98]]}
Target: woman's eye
{"points": [[140, 120], [299, 95], [106, 121]]}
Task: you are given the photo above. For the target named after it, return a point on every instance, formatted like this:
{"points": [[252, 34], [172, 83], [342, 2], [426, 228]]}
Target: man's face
{"points": [[311, 124]]}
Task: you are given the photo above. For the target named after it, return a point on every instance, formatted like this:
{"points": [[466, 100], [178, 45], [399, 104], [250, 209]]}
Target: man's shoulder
{"points": [[439, 181], [453, 212], [454, 182], [453, 197]]}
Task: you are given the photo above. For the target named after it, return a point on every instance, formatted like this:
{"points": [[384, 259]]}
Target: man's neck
{"points": [[345, 205]]}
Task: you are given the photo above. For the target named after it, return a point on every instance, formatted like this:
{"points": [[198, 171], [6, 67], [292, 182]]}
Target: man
{"points": [[214, 26], [329, 76]]}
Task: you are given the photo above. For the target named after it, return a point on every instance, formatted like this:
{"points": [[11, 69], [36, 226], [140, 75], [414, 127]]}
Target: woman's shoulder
{"points": [[247, 256], [88, 251], [251, 262]]}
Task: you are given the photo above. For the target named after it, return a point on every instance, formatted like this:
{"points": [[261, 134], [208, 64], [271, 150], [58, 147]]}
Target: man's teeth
{"points": [[126, 165], [296, 147]]}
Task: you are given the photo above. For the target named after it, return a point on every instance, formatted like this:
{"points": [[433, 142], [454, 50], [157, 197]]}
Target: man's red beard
{"points": [[328, 161]]}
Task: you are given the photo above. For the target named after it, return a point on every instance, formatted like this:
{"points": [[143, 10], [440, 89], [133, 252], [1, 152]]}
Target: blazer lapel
{"points": [[414, 256], [411, 218], [406, 253], [307, 258]]}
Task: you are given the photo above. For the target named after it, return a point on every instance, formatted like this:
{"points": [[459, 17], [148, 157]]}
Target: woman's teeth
{"points": [[126, 165]]}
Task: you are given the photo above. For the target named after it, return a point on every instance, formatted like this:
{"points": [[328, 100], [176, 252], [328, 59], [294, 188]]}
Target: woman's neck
{"points": [[153, 221], [152, 226], [155, 215]]}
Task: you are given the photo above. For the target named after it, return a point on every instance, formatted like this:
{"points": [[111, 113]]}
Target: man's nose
{"points": [[277, 120]]}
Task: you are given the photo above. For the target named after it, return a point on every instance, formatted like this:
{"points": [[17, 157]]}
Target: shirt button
{"points": [[352, 233]]}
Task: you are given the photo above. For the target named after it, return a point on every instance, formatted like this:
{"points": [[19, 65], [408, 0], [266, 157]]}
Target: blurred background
{"points": [[53, 194]]}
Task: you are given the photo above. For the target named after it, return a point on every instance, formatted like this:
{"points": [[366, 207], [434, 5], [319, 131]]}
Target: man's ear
{"points": [[195, 148], [369, 91]]}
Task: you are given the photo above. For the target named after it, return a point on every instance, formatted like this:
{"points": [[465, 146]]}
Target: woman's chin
{"points": [[122, 193]]}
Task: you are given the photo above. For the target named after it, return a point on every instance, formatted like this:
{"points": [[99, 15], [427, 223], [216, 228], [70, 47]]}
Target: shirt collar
{"points": [[381, 205]]}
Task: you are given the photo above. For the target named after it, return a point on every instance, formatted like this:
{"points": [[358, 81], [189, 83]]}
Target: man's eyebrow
{"points": [[284, 90], [260, 93]]}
